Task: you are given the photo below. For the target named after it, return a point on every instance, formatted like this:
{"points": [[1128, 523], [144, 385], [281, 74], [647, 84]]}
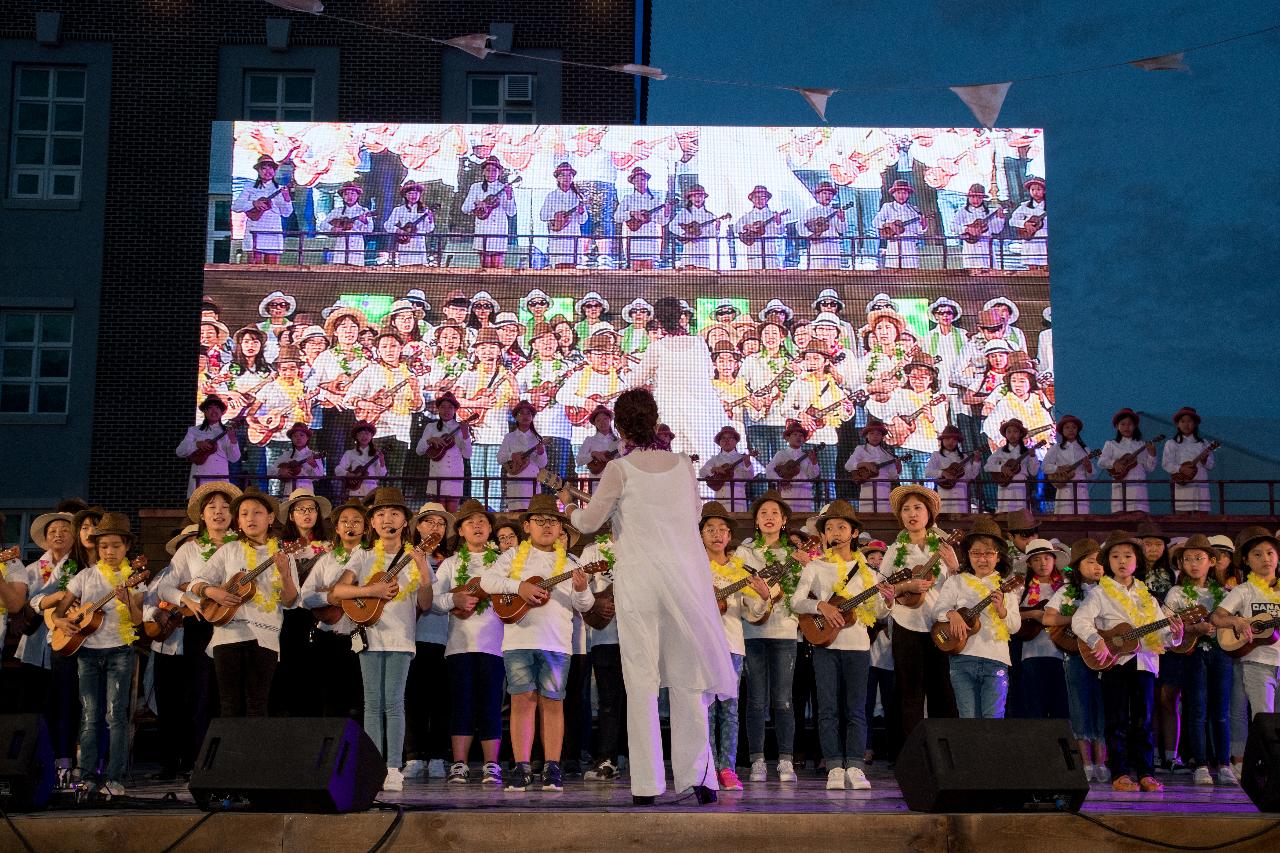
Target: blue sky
{"points": [[1165, 187]]}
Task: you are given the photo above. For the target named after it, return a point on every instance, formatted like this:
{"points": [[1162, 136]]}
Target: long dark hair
{"points": [[319, 533], [636, 416], [667, 312]]}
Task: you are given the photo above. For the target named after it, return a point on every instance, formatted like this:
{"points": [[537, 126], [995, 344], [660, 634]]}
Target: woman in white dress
{"points": [[665, 603], [1129, 491], [678, 368]]}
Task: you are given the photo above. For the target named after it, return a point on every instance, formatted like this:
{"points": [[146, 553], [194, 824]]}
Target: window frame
{"points": [[37, 346], [502, 110], [250, 109], [48, 172]]}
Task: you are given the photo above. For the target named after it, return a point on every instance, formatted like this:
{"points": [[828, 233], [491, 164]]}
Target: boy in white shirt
{"points": [[745, 468]]}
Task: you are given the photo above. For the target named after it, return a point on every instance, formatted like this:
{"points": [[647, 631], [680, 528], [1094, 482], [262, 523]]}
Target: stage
{"points": [[597, 817]]}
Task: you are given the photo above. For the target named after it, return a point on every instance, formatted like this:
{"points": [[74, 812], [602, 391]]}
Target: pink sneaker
{"points": [[729, 780]]}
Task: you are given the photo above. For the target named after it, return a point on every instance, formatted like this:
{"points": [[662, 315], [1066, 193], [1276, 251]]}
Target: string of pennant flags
{"points": [[984, 100]]}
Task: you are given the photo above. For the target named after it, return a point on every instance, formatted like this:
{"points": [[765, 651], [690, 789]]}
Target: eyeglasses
{"points": [[725, 311], [983, 555], [587, 305], [538, 303], [992, 328], [828, 303], [544, 520], [433, 521], [277, 304], [485, 305]]}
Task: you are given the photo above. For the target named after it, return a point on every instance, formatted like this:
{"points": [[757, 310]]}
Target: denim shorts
{"points": [[535, 669]]}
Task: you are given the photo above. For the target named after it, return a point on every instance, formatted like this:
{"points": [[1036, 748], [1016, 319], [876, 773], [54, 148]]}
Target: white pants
{"points": [[692, 762]]}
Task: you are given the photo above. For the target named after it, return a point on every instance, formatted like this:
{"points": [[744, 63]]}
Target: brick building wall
{"points": [[164, 95]]}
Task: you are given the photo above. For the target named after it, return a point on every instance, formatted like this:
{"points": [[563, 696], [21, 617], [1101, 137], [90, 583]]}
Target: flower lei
{"points": [[983, 586], [271, 602], [866, 611], [1265, 589], [731, 573], [556, 365], [1215, 589], [464, 570], [69, 569], [208, 547], [522, 556], [380, 562], [117, 577], [1033, 588], [1071, 600], [605, 547], [789, 579], [584, 380], [1143, 613], [876, 351], [343, 357], [904, 539], [341, 554]]}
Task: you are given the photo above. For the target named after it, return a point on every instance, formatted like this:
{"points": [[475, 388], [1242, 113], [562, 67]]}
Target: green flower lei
{"points": [[1215, 589], [464, 569], [876, 351], [69, 569], [791, 577], [556, 364], [208, 547], [602, 544], [904, 539], [341, 554]]}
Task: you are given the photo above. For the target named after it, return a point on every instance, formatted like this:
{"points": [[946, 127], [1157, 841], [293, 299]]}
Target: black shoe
{"points": [[705, 795], [521, 778], [642, 801], [165, 775], [552, 777]]}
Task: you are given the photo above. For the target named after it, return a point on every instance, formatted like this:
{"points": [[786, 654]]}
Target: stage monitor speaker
{"points": [[992, 766], [27, 776], [294, 764], [1260, 775]]}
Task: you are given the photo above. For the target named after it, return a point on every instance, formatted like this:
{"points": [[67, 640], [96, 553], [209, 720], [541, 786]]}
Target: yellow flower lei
{"points": [[380, 562], [866, 610], [732, 573], [522, 556], [1143, 613], [266, 603], [982, 586], [1265, 589], [128, 634], [391, 377], [584, 380]]}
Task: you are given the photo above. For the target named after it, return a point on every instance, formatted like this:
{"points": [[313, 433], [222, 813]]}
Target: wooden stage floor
{"points": [[597, 817]]}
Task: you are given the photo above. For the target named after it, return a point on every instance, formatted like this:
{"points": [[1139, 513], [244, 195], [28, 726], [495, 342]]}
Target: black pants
{"points": [[611, 695], [335, 670], [173, 706], [921, 672], [293, 692], [1127, 699], [577, 709], [245, 672], [804, 699], [426, 705], [200, 676]]}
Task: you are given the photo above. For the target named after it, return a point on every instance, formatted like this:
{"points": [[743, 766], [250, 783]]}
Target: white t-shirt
{"points": [[965, 590], [1248, 601], [88, 586], [549, 627], [251, 622], [482, 630]]}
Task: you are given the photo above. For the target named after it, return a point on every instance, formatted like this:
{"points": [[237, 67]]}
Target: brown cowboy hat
{"points": [[195, 503], [838, 509], [253, 493], [1188, 411], [113, 524], [351, 503], [359, 426], [1194, 542], [774, 496], [715, 509], [983, 525], [387, 496], [1070, 419], [1149, 529], [1245, 539], [1122, 414], [1020, 521], [541, 329], [1114, 538], [730, 430], [472, 507], [901, 493], [1080, 549], [600, 409], [544, 504]]}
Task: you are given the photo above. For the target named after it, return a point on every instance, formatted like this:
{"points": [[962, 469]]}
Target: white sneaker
{"points": [[1090, 773], [113, 790], [394, 780], [835, 779], [786, 772], [1202, 776], [415, 769], [435, 769], [1102, 773], [759, 772], [1227, 776], [857, 780]]}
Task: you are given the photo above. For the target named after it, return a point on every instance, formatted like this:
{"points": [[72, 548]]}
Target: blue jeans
{"points": [[724, 712], [981, 686], [112, 668], [842, 689], [385, 675], [771, 667], [484, 463], [1206, 692], [1084, 700]]}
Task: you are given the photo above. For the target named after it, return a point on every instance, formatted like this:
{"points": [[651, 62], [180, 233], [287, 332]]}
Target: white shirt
{"points": [[920, 618], [88, 586], [741, 606], [782, 623], [395, 629], [251, 621], [549, 627], [958, 592], [218, 463], [819, 579], [1100, 612], [608, 635], [1245, 600], [314, 592], [1040, 646], [482, 631]]}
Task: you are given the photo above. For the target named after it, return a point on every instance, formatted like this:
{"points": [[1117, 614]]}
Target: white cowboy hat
{"points": [[485, 296], [997, 345], [272, 297], [1005, 301], [418, 298], [304, 494], [776, 305], [881, 300], [949, 303], [824, 296], [535, 293], [591, 296], [634, 305], [41, 524]]}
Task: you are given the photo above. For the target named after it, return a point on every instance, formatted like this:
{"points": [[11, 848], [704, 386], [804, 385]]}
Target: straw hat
{"points": [[838, 509], [435, 508], [1044, 546], [175, 542], [195, 503], [41, 524], [113, 524], [323, 507], [771, 495], [901, 493]]}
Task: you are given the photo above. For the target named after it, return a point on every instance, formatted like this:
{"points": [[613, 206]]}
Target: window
{"points": [[276, 96], [48, 132], [35, 362], [217, 248], [17, 531], [500, 99]]}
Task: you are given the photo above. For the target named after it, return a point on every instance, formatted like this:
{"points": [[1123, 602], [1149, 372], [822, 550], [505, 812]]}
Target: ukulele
{"points": [[487, 205], [367, 611], [372, 408], [972, 616], [511, 608], [818, 225], [1266, 631], [520, 459], [1064, 638], [439, 445], [1123, 638], [560, 219], [791, 468], [902, 426], [206, 447], [867, 471], [1032, 620], [293, 468], [1126, 463], [579, 415], [471, 587], [953, 472], [693, 230], [596, 465], [262, 205], [166, 620], [88, 618], [898, 227], [975, 230], [1064, 474], [1187, 470], [773, 576], [358, 474], [346, 223], [593, 617], [1028, 229], [925, 570], [722, 474], [753, 231], [243, 584], [819, 631], [1009, 470], [640, 218], [410, 229], [339, 384], [549, 388], [262, 429], [769, 574], [818, 416]]}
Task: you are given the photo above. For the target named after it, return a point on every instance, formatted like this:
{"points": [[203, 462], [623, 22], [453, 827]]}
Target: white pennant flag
{"points": [[477, 45], [640, 70], [315, 7], [817, 98], [984, 101], [1165, 62]]}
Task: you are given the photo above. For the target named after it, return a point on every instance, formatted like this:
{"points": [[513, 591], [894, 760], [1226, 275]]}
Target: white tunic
{"points": [[824, 251], [758, 370], [551, 421], [733, 494], [1245, 600], [87, 587], [44, 577], [314, 592], [765, 252], [491, 233], [608, 635], [920, 618], [1194, 496], [415, 251], [218, 465], [905, 401], [549, 627], [452, 466], [799, 488], [1073, 497], [520, 488], [874, 496], [956, 498], [348, 245], [702, 251], [1133, 495], [1035, 252], [901, 252], [563, 245], [352, 459], [979, 255], [267, 233], [1014, 495], [679, 370], [312, 466], [645, 243]]}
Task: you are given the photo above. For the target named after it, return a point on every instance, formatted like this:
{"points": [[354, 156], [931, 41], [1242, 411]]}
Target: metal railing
{"points": [[455, 250], [1225, 497]]}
